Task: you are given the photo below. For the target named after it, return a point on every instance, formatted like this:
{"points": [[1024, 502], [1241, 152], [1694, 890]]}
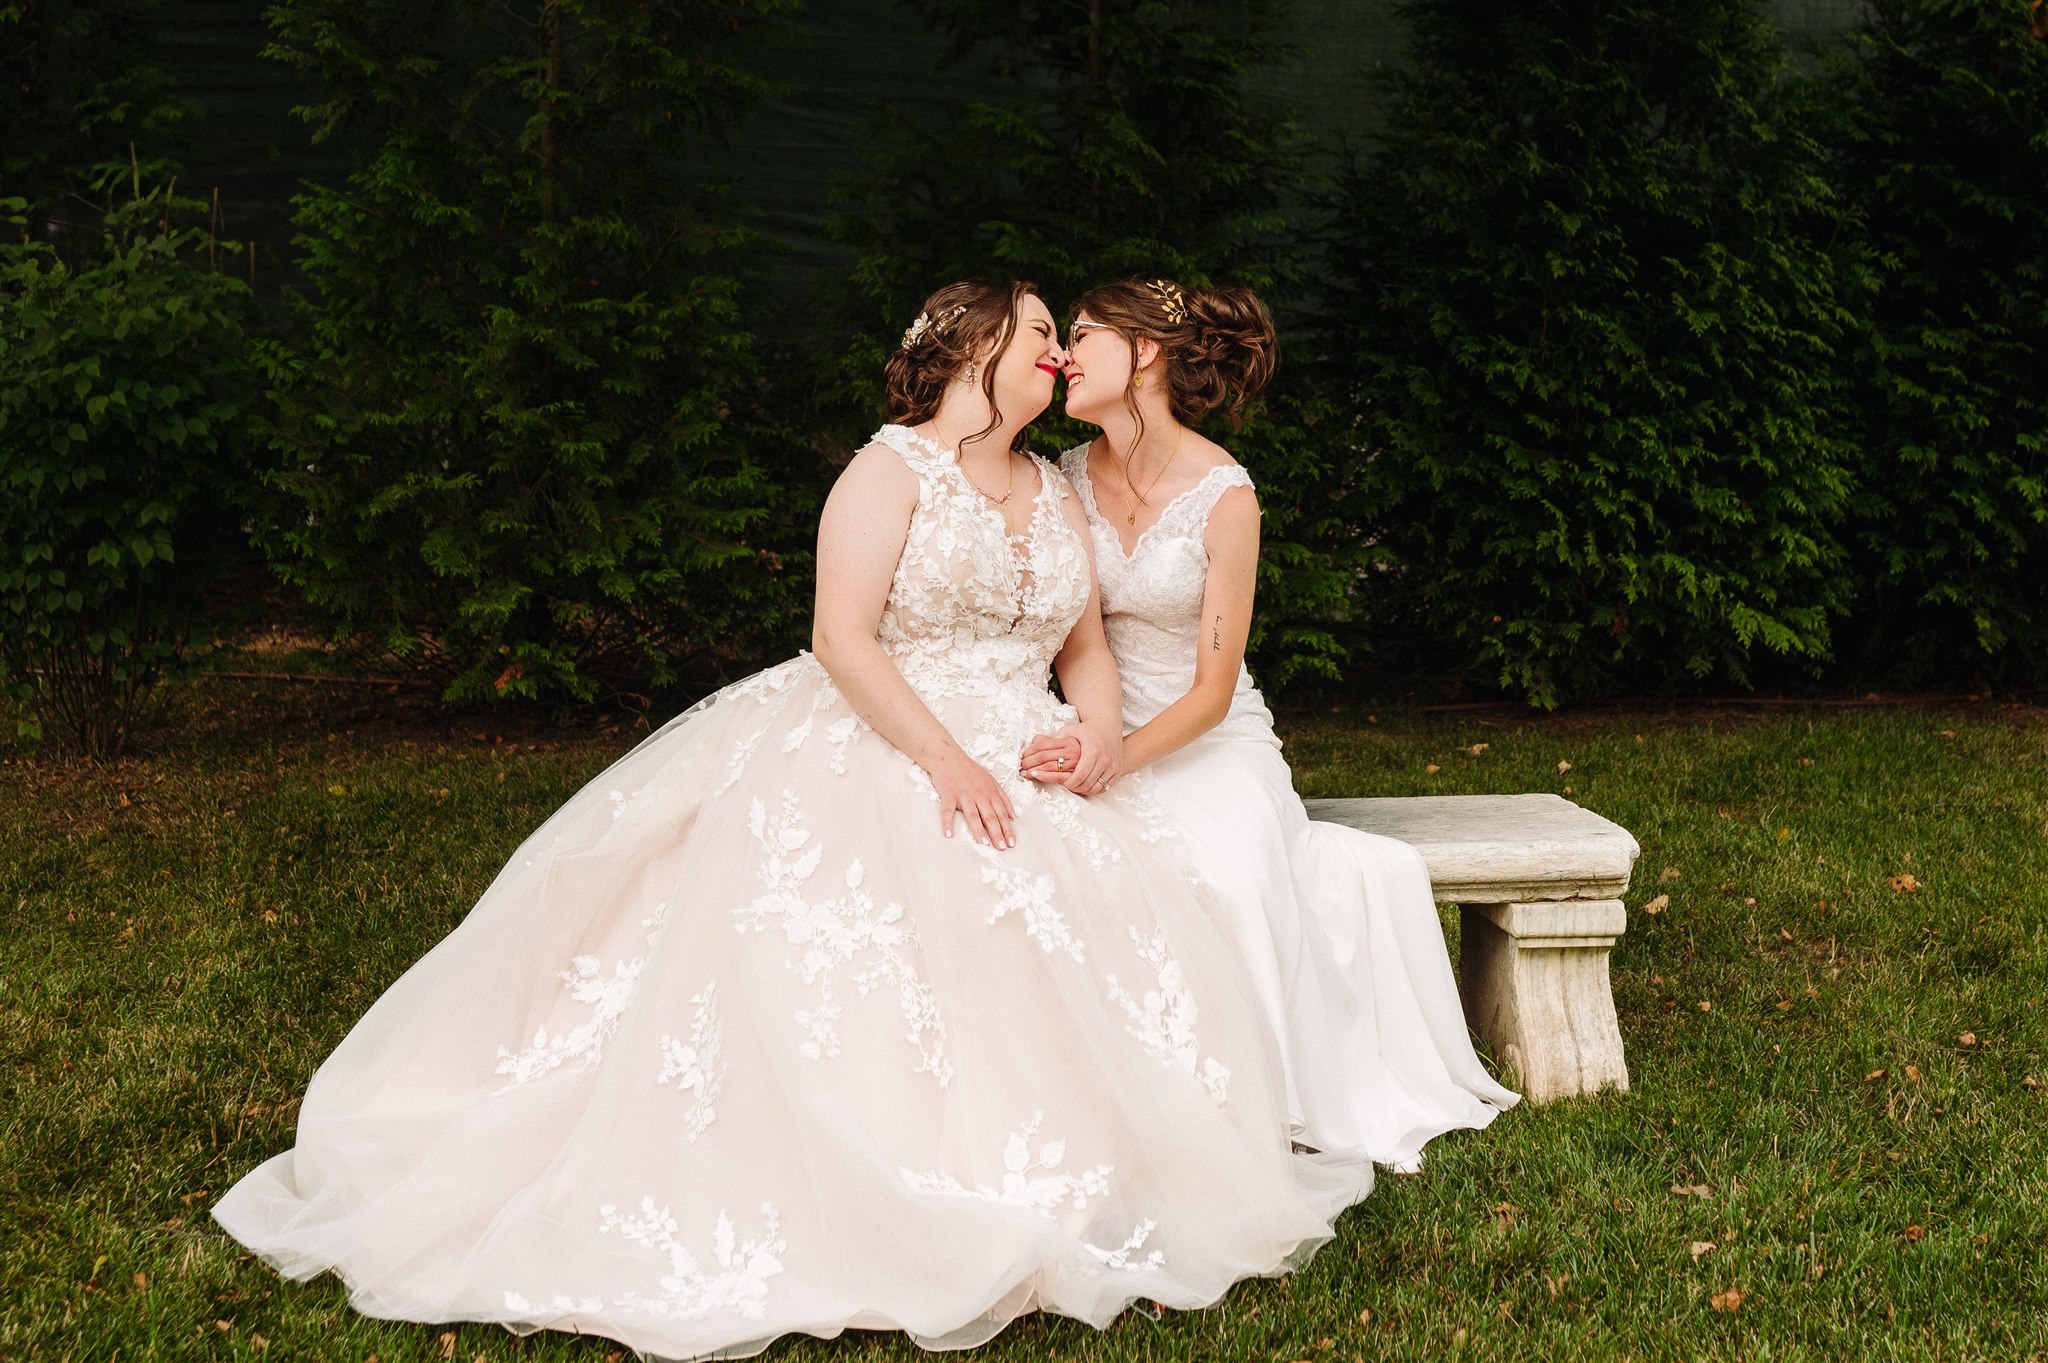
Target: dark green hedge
{"points": [[1628, 356]]}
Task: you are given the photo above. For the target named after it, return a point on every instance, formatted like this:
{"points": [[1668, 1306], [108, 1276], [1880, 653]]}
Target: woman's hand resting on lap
{"points": [[967, 788]]}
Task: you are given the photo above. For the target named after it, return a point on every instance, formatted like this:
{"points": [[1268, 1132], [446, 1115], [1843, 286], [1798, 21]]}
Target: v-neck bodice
{"points": [[1152, 598], [973, 606]]}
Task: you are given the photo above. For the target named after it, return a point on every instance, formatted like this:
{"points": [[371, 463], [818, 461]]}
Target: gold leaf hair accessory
{"points": [[1170, 300], [916, 330]]}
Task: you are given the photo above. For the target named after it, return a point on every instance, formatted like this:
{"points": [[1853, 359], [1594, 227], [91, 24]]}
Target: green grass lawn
{"points": [[1852, 1072]]}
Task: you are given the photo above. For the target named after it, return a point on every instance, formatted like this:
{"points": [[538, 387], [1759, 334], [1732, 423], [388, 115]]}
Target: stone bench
{"points": [[1539, 882]]}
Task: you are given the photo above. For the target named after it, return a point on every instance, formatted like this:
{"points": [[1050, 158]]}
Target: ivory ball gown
{"points": [[1337, 927], [738, 1045]]}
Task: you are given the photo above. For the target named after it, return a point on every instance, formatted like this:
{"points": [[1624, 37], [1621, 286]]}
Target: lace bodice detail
{"points": [[973, 609], [1152, 599]]}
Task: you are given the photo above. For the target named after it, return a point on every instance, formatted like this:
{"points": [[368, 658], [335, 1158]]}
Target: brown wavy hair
{"points": [[1220, 354], [960, 318]]}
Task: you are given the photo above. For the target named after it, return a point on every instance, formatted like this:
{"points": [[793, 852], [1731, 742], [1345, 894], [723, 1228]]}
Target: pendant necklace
{"points": [[1131, 517], [995, 500]]}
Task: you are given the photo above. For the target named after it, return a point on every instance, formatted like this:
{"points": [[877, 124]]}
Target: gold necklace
{"points": [[1131, 517], [998, 501], [961, 464]]}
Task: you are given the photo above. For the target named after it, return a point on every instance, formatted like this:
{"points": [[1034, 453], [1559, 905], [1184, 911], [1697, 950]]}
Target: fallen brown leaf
{"points": [[1365, 1315], [1903, 884], [1968, 1038], [1700, 1247], [1667, 875], [448, 1345], [1563, 767], [1478, 748], [1912, 1074], [1658, 905], [1431, 770], [1692, 1190], [1915, 1234], [1731, 1300], [1784, 934], [1875, 1075]]}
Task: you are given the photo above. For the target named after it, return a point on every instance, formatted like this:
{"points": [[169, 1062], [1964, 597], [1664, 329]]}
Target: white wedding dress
{"points": [[738, 1045], [1337, 927]]}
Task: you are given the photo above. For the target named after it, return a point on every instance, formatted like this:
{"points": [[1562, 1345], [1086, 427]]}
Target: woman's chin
{"points": [[1029, 406]]}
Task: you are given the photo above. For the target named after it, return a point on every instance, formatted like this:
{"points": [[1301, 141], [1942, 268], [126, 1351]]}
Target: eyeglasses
{"points": [[1074, 331]]}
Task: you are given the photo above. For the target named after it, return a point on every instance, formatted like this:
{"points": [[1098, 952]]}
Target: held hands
{"points": [[966, 788], [1082, 757]]}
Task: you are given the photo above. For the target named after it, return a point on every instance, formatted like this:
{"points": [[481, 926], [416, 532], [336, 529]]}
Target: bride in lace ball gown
{"points": [[739, 1043], [1337, 927]]}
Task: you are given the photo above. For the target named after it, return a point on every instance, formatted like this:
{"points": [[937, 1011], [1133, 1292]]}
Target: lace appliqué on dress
{"points": [[1032, 896], [696, 1067], [1163, 1021], [736, 1282], [1028, 1177], [1030, 1181], [608, 1000], [835, 932]]}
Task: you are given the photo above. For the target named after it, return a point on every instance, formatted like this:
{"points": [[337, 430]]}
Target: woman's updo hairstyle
{"points": [[1220, 345], [955, 324]]}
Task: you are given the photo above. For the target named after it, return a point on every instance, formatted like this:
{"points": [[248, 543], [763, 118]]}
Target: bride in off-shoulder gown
{"points": [[738, 1045]]}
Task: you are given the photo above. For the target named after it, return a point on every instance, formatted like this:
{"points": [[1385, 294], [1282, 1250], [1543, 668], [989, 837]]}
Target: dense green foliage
{"points": [[1942, 145], [517, 443], [171, 973], [1625, 356], [122, 403], [1591, 337], [83, 105]]}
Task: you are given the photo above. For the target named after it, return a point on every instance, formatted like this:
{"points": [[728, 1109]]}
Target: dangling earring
{"points": [[1137, 380], [973, 371]]}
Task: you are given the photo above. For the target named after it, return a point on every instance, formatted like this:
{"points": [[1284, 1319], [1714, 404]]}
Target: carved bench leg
{"points": [[1536, 989]]}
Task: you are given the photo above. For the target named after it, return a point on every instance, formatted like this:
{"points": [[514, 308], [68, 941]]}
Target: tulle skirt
{"points": [[738, 1045]]}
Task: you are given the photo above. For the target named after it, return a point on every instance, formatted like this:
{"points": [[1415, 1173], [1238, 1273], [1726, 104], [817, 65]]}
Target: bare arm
{"points": [[860, 538], [1087, 671], [1233, 544]]}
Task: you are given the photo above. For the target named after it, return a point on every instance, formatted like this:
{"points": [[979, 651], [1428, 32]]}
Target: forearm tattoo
{"points": [[1216, 636]]}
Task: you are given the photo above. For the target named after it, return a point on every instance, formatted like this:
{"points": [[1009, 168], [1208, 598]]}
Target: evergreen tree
{"points": [[1943, 147], [517, 445], [1584, 310], [84, 111], [1132, 141]]}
